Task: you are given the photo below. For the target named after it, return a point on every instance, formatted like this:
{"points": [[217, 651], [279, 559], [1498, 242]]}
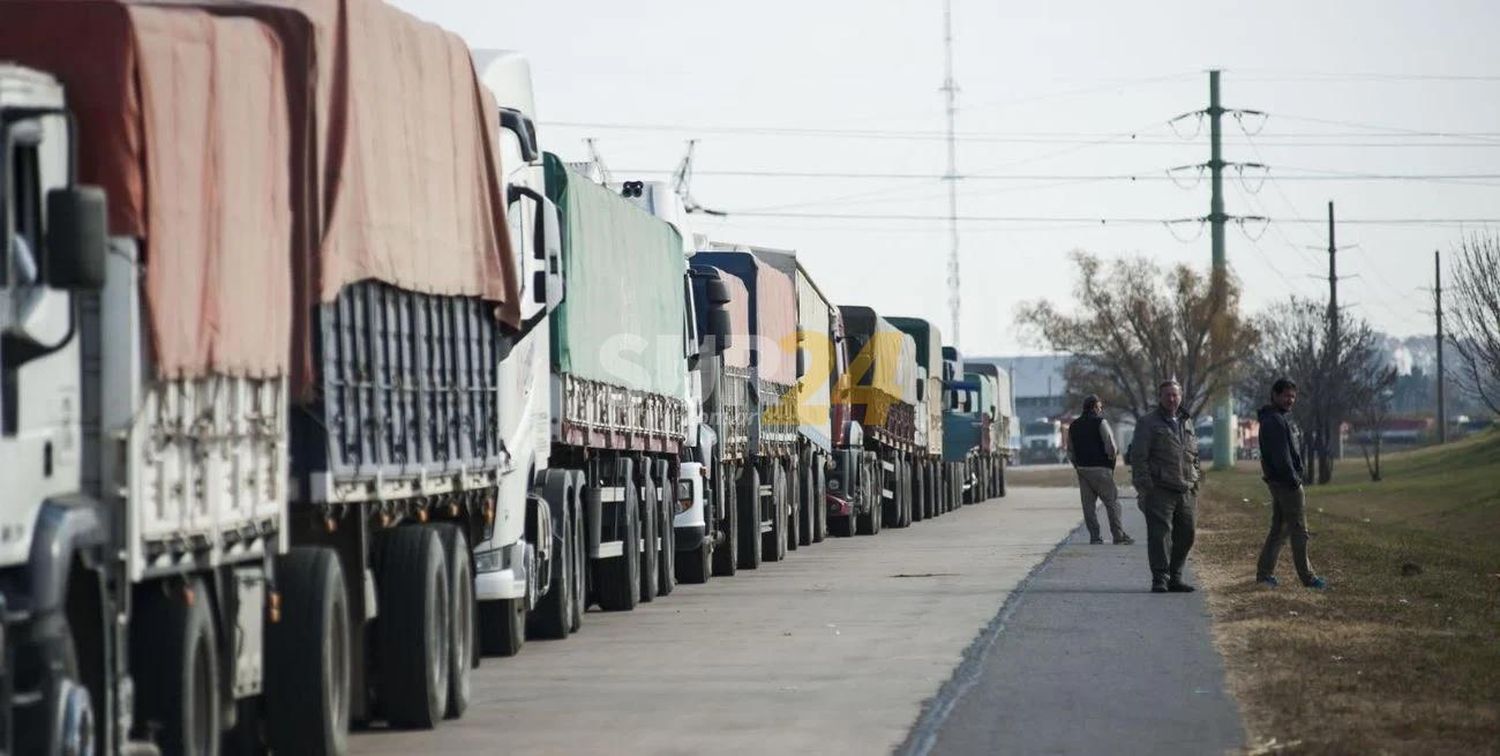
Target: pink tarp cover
{"points": [[776, 313], [387, 161], [737, 354], [183, 120]]}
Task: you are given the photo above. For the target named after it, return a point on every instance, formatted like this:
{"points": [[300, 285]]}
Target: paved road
{"points": [[1083, 660], [833, 651]]}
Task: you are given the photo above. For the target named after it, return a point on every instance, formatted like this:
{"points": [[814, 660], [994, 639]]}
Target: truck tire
{"points": [[553, 616], [649, 507], [748, 498], [176, 655], [773, 544], [580, 552], [463, 620], [1000, 478], [666, 576], [918, 513], [726, 553], [807, 508], [502, 626], [820, 501], [307, 656], [413, 627], [620, 577], [793, 528], [908, 492], [869, 522]]}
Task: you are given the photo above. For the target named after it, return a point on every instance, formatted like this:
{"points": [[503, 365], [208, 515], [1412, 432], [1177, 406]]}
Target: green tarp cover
{"points": [[622, 320]]}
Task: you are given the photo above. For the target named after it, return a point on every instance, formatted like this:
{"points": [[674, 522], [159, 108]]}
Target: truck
{"points": [[881, 386], [1000, 405], [820, 419], [960, 439], [927, 462], [252, 426], [1043, 443], [987, 467], [765, 505]]}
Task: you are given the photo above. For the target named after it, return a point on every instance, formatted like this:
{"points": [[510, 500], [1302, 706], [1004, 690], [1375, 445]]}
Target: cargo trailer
{"points": [[881, 385], [927, 462]]}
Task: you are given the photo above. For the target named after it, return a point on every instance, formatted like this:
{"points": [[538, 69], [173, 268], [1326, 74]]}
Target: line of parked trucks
{"points": [[320, 381]]}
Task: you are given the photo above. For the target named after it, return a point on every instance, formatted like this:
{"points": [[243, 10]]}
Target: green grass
{"points": [[1402, 655]]}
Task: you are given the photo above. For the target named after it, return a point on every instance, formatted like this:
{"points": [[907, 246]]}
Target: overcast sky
{"points": [[1050, 92]]}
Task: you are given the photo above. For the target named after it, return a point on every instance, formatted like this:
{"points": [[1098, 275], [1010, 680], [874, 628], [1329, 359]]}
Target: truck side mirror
{"points": [[718, 292], [719, 329], [77, 235]]}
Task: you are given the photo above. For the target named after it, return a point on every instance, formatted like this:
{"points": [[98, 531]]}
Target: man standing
{"points": [[1164, 470], [1091, 445], [1281, 467]]}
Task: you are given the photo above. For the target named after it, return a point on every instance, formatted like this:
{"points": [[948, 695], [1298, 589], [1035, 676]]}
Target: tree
{"points": [[1372, 415], [1333, 379], [1136, 325], [1474, 318]]}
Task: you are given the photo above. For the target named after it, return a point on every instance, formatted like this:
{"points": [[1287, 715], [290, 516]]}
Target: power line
{"points": [[1018, 137], [1102, 219], [1317, 175]]}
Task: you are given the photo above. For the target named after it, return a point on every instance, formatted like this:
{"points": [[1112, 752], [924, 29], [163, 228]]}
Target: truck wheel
{"points": [[620, 577], [650, 520], [869, 522], [307, 656], [177, 657], [413, 627], [725, 553], [502, 626], [1000, 478], [793, 504], [820, 502], [666, 576], [463, 620], [580, 559], [908, 491], [748, 497], [807, 504], [774, 509], [553, 616]]}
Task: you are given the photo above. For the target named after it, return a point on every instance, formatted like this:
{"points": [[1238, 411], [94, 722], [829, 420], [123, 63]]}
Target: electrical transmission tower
{"points": [[1217, 218], [950, 92]]}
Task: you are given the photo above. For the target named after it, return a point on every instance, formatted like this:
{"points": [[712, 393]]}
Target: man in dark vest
{"points": [[1091, 445]]}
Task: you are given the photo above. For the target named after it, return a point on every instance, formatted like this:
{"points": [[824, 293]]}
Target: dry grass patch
{"points": [[1402, 655]]}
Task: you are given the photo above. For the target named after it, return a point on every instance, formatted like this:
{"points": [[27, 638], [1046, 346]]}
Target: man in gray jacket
{"points": [[1164, 469]]}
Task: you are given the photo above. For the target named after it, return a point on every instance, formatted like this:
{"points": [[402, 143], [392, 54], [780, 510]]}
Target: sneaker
{"points": [[1124, 540], [1158, 586], [1268, 581], [1096, 541], [1317, 584], [1177, 586]]}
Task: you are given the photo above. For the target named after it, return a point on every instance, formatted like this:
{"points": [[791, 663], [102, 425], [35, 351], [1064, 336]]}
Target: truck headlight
{"points": [[489, 561]]}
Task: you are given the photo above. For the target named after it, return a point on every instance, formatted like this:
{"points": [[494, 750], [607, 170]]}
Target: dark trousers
{"points": [[1288, 522], [1169, 531]]}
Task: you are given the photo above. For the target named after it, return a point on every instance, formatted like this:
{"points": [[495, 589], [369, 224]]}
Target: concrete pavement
{"points": [[833, 651], [1084, 660]]}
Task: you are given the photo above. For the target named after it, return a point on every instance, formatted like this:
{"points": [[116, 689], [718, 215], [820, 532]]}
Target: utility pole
{"points": [[1333, 289], [1442, 409], [1328, 434], [950, 90], [1223, 455]]}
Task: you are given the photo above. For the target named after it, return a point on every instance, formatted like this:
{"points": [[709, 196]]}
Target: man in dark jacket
{"points": [[1281, 466], [1091, 446], [1164, 470]]}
